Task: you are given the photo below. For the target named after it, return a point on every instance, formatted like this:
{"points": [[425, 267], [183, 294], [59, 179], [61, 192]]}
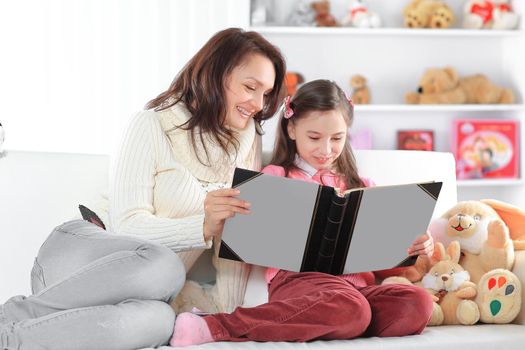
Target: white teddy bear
{"points": [[359, 16], [492, 14]]}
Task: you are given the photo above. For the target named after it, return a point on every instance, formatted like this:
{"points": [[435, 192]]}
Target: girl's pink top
{"points": [[310, 174]]}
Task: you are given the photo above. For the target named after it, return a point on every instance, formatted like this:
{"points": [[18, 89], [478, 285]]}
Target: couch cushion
{"points": [[479, 337], [39, 191]]}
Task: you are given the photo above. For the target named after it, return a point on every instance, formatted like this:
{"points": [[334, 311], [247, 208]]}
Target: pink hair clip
{"points": [[288, 111], [350, 102]]}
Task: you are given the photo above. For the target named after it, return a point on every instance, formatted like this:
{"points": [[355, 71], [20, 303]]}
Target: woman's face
{"points": [[246, 89]]}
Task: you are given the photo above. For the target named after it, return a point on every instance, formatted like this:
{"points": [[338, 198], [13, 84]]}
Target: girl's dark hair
{"points": [[200, 85], [317, 95]]}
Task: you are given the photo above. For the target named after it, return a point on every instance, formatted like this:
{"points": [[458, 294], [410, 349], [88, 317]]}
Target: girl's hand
{"points": [[218, 206], [422, 245]]}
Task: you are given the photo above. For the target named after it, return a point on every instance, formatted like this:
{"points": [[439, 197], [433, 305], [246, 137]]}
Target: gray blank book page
{"points": [[387, 225], [274, 234]]}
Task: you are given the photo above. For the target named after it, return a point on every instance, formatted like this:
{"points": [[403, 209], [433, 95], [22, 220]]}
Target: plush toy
{"points": [[487, 239], [303, 15], [359, 16], [488, 231], [443, 85], [360, 92], [323, 17], [491, 14], [448, 281], [442, 17], [499, 296], [292, 80], [427, 14]]}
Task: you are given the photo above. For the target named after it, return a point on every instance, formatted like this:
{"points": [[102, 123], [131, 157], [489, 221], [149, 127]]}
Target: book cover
{"points": [[486, 148], [415, 140], [302, 226]]}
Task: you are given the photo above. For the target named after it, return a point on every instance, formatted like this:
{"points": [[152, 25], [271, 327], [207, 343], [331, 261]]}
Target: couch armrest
{"points": [[519, 271]]}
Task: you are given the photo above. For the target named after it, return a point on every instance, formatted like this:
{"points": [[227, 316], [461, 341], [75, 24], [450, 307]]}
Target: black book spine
{"points": [[347, 229], [330, 234], [315, 236]]}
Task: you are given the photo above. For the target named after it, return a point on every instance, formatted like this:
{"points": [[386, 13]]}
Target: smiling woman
{"points": [[168, 191]]}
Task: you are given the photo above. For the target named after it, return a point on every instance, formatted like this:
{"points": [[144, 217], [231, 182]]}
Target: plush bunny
{"points": [[448, 281], [488, 231]]}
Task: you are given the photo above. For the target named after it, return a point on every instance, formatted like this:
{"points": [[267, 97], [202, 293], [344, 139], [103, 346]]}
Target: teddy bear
{"points": [[489, 14], [427, 14], [323, 17], [359, 16], [443, 85], [360, 92], [442, 17], [292, 80], [451, 284]]}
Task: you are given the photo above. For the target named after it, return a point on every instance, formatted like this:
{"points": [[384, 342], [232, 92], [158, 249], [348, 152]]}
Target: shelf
{"points": [[490, 182], [387, 31], [438, 108]]}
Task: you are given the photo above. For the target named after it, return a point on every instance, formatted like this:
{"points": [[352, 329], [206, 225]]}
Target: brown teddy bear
{"points": [[323, 17], [442, 17], [427, 14], [360, 92], [443, 85]]}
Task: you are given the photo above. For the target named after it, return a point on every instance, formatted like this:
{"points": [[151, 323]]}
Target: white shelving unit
{"points": [[393, 58], [284, 30]]}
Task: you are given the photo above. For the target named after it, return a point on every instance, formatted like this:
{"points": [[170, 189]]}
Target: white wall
{"points": [[72, 72]]}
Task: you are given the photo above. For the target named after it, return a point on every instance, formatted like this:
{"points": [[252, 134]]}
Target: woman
{"points": [[98, 290]]}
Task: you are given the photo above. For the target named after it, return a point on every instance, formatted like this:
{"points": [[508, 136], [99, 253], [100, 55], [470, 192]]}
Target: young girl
{"points": [[312, 145]]}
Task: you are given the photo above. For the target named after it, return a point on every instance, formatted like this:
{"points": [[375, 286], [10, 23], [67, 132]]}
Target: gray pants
{"points": [[94, 290]]}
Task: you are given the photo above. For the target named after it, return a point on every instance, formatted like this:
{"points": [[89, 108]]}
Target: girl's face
{"points": [[246, 89], [319, 136]]}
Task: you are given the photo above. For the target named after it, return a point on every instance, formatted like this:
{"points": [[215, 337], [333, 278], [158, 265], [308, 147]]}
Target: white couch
{"points": [[40, 190]]}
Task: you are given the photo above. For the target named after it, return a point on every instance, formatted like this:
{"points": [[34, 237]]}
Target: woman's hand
{"points": [[422, 245], [220, 205]]}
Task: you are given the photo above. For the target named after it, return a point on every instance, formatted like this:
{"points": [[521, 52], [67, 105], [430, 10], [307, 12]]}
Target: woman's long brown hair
{"points": [[317, 95], [200, 85]]}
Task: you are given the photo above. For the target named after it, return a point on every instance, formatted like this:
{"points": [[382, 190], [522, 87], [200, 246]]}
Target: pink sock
{"points": [[189, 330]]}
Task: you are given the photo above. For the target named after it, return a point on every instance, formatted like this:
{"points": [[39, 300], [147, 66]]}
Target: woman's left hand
{"points": [[422, 245]]}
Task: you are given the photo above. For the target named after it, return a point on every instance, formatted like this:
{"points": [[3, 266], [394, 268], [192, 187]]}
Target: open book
{"points": [[302, 226]]}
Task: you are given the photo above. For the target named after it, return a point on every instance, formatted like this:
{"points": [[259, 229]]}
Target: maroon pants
{"points": [[311, 305]]}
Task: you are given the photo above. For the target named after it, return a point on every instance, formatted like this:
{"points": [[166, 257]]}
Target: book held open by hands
{"points": [[302, 226]]}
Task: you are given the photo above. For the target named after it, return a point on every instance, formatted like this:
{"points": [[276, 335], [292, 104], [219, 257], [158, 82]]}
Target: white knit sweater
{"points": [[159, 185]]}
